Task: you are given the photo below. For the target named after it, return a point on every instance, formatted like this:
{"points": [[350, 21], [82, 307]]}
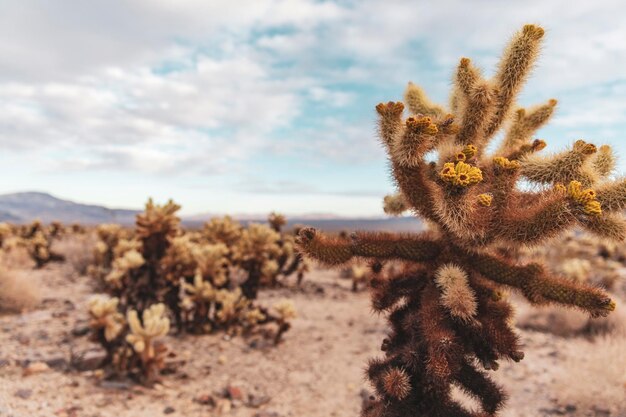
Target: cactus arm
{"points": [[609, 226], [563, 167], [531, 223], [476, 384], [525, 123], [418, 187], [395, 204], [337, 251], [419, 103], [513, 70], [476, 114], [612, 196], [540, 288]]}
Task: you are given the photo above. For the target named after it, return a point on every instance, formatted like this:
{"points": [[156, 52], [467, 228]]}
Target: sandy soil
{"points": [[316, 372]]}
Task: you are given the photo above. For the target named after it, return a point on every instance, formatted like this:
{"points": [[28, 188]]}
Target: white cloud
{"points": [[191, 85]]}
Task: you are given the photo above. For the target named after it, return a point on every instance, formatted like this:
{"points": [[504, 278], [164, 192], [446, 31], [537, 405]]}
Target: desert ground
{"points": [[572, 367]]}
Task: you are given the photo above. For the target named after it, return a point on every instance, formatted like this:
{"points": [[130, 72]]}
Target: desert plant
{"points": [[192, 277], [39, 246], [447, 313], [18, 291], [133, 347], [266, 254]]}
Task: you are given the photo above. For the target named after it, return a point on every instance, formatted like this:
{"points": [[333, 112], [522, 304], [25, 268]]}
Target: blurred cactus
{"points": [[106, 318], [134, 348], [266, 254], [445, 308], [582, 257], [37, 239], [194, 274]]}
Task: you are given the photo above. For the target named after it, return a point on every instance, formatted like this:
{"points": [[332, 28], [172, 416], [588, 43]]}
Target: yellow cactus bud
{"points": [[586, 198], [485, 199], [460, 156], [461, 174], [584, 147], [505, 163], [469, 151], [422, 124], [448, 173], [593, 208], [539, 144]]}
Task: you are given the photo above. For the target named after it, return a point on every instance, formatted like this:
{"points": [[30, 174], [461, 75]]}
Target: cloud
{"points": [[205, 88]]}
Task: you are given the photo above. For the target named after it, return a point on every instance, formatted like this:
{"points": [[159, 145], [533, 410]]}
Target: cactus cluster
{"points": [[203, 277], [447, 312], [35, 237], [267, 254], [133, 346]]}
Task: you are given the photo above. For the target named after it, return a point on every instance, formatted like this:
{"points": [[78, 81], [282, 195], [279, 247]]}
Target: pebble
{"points": [[89, 360], [234, 393], [24, 393], [36, 368]]}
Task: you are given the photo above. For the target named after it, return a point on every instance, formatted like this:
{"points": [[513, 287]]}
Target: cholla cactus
{"points": [[144, 339], [39, 249], [447, 313], [358, 273], [224, 230], [267, 254], [277, 221], [191, 276], [133, 349], [106, 318], [256, 252], [109, 236], [56, 229], [155, 227]]}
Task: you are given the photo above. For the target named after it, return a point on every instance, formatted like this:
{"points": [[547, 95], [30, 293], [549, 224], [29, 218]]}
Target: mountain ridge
{"points": [[24, 207]]}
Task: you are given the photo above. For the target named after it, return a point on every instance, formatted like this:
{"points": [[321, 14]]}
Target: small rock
{"points": [[121, 385], [169, 410], [42, 335], [79, 331], [205, 399], [24, 393], [89, 360], [234, 393], [267, 414], [58, 363], [36, 368], [221, 360], [256, 401]]}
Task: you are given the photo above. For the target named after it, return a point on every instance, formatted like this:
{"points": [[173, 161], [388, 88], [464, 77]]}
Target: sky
{"points": [[253, 106]]}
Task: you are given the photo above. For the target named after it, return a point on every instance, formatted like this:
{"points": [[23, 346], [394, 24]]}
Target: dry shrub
{"points": [[77, 250], [592, 376], [16, 258], [18, 292]]}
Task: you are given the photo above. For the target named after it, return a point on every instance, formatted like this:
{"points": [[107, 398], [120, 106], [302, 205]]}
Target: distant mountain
{"points": [[28, 206]]}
